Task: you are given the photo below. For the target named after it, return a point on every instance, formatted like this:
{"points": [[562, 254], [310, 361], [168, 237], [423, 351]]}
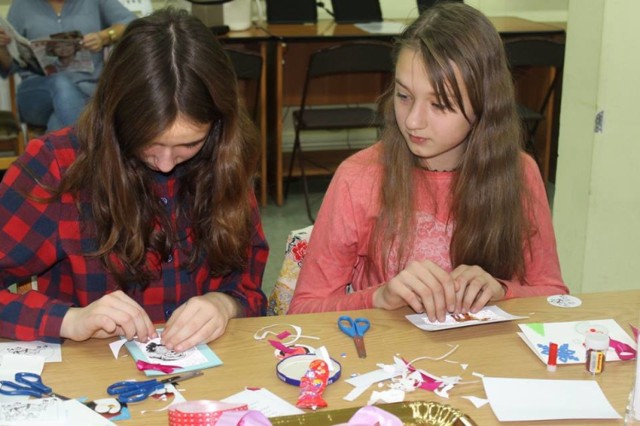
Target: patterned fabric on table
{"points": [[286, 282]]}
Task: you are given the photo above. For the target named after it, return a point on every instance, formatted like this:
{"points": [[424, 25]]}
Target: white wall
{"points": [[597, 201]]}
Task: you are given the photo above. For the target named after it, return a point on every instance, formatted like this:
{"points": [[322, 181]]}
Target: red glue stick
{"points": [[553, 357]]}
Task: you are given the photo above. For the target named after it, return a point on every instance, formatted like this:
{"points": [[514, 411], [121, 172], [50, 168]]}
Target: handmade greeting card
{"points": [[154, 352], [486, 315], [570, 338]]}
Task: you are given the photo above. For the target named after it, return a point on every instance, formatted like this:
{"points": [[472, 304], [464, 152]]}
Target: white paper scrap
{"points": [[265, 401], [355, 393], [477, 402], [80, 414], [116, 346], [534, 399], [372, 377], [385, 397]]}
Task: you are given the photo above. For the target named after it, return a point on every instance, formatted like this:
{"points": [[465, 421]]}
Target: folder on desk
{"points": [[356, 11], [291, 11]]}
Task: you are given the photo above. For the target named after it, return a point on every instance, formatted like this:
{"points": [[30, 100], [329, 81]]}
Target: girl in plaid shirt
{"points": [[145, 211]]}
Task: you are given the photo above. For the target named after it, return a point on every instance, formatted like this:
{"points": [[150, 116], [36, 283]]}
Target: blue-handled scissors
{"points": [[130, 391], [27, 384], [355, 328]]}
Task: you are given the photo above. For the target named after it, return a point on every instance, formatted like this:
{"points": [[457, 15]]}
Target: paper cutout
{"points": [[570, 338], [116, 346], [477, 402], [538, 327], [50, 352], [388, 396], [564, 301], [547, 399], [489, 314]]}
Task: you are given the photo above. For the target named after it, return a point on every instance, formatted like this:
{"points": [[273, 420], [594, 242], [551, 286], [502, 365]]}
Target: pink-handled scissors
{"points": [[355, 328]]}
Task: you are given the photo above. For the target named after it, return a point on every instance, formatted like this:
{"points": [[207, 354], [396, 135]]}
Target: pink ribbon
{"points": [[167, 369]]}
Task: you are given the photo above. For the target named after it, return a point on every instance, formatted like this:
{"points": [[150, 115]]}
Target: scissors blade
{"points": [[359, 342], [182, 377]]}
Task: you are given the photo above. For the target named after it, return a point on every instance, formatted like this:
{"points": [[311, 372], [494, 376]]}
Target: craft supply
{"points": [[200, 413], [313, 384], [596, 345], [291, 369], [132, 391], [144, 366], [27, 384], [355, 328], [552, 361]]}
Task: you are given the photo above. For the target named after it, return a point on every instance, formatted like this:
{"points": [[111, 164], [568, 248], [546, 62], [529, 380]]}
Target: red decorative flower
{"points": [[299, 250]]}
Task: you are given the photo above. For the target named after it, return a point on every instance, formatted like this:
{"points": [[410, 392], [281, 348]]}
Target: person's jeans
{"points": [[54, 101]]}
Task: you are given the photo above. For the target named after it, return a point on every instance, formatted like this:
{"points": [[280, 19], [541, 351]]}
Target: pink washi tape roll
{"points": [[200, 413]]}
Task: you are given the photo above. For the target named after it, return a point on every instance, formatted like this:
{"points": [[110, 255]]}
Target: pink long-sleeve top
{"points": [[337, 257]]}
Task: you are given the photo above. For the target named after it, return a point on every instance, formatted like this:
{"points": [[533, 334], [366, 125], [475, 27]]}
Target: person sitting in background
{"points": [[447, 212], [56, 100], [145, 211]]}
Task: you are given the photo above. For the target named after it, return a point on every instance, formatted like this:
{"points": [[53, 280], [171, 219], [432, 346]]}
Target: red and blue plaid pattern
{"points": [[49, 240]]}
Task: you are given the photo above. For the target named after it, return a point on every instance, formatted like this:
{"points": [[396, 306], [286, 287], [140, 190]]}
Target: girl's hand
{"points": [[200, 320], [114, 314], [424, 286], [475, 288]]}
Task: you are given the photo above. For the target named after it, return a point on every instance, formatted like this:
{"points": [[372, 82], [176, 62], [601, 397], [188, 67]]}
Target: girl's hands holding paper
{"points": [[200, 320], [424, 286], [114, 314], [475, 288]]}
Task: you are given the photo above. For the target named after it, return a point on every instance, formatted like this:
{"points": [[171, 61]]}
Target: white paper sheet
{"points": [[51, 352], [514, 399], [570, 338], [487, 315], [265, 401], [12, 364]]}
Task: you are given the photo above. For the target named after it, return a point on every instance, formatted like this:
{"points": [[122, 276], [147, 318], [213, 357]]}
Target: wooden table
{"points": [[492, 349]]}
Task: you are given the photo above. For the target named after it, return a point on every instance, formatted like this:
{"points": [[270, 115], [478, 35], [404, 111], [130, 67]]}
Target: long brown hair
{"points": [[166, 65], [487, 209]]}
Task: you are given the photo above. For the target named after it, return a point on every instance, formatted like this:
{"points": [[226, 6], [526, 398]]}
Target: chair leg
{"points": [[296, 148], [305, 187]]}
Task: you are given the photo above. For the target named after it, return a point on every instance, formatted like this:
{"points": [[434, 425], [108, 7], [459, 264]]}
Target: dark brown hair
{"points": [[488, 200], [166, 65]]}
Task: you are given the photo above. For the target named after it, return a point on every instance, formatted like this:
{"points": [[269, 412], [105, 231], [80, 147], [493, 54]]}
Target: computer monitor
{"points": [[355, 11], [291, 11], [425, 4]]}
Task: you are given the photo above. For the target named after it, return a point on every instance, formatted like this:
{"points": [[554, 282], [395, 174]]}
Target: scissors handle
{"points": [[129, 391], [353, 327], [12, 389], [33, 381]]}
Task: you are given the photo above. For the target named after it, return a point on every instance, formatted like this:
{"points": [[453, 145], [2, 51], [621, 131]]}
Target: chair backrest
{"points": [[348, 58], [537, 53], [248, 67], [425, 4]]}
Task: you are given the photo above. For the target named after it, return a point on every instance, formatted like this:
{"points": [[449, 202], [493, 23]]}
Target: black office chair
{"points": [[248, 68], [536, 53], [358, 57]]}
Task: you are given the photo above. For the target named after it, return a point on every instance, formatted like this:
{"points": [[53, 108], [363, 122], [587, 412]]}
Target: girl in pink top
{"points": [[446, 213]]}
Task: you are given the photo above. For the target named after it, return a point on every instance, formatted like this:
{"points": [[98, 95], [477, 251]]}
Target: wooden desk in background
{"points": [[289, 47], [491, 349]]}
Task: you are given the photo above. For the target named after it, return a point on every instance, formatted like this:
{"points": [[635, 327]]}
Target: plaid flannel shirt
{"points": [[50, 241]]}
